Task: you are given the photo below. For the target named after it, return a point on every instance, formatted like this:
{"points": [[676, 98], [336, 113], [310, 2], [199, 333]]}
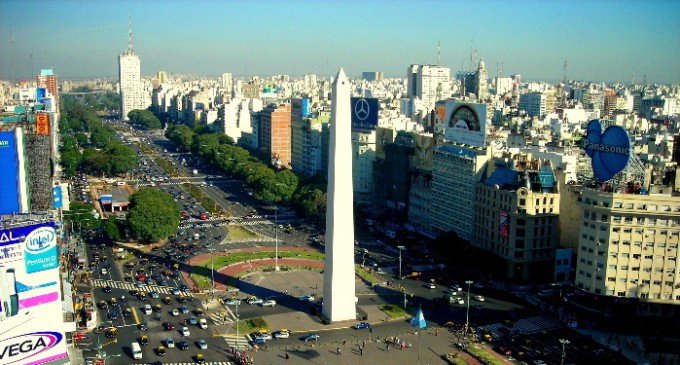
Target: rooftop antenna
{"points": [[632, 79], [439, 53], [14, 76], [130, 49], [502, 68], [564, 69]]}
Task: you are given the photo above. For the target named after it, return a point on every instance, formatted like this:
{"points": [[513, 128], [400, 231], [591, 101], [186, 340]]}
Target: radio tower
{"points": [[564, 69], [439, 53]]}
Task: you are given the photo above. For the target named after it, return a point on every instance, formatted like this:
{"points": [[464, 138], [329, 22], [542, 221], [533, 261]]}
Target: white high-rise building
{"points": [[132, 91], [429, 83]]}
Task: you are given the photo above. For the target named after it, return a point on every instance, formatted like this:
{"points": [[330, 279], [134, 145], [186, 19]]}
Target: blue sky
{"points": [[600, 40]]}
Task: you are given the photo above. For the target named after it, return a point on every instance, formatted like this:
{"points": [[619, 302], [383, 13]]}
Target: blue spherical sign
{"points": [[609, 151]]}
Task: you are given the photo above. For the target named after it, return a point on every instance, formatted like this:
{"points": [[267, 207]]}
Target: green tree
{"points": [[312, 201], [115, 159], [144, 119], [181, 136], [154, 215], [112, 229], [82, 216]]}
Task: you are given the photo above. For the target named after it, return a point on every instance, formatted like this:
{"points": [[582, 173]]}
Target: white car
{"points": [[203, 344], [264, 336], [185, 332], [170, 343], [175, 312], [147, 309], [431, 286], [269, 303], [203, 323], [479, 298], [461, 301], [307, 298], [233, 302], [254, 300], [281, 334]]}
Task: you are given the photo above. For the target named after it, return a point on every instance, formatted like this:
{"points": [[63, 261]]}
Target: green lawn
{"points": [[393, 311], [366, 275], [482, 353], [201, 274], [238, 233]]}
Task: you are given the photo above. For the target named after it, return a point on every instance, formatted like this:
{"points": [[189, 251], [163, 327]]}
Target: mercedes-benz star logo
{"points": [[362, 109]]}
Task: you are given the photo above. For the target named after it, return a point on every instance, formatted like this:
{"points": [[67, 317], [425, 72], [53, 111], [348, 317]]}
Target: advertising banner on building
{"points": [[9, 178], [364, 112], [423, 154], [466, 123], [42, 124], [383, 137], [30, 306]]}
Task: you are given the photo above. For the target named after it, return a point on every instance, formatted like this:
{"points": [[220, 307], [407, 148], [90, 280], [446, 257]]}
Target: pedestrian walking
{"points": [[338, 351], [344, 342], [387, 346], [361, 350], [436, 332], [287, 356], [363, 344]]}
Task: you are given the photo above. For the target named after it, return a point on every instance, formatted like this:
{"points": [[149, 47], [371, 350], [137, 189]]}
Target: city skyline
{"points": [[601, 41]]}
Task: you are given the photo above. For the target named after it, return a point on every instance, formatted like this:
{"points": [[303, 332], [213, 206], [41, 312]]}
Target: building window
{"points": [[618, 205]]}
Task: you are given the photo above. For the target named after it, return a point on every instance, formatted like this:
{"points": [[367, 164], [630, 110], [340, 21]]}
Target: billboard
{"points": [[364, 112], [56, 197], [42, 124], [466, 123], [423, 154], [383, 137], [9, 178], [30, 304], [609, 151], [41, 93]]}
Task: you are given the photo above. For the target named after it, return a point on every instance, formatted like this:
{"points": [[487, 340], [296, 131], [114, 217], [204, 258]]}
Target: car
{"points": [[199, 358], [203, 323], [254, 300], [175, 312], [202, 344], [264, 335], [183, 345], [107, 289], [182, 299], [111, 332], [460, 301], [143, 326], [431, 286], [283, 333], [157, 308], [259, 341], [127, 312], [167, 300], [184, 309], [175, 291], [154, 294], [539, 362], [479, 298], [362, 325], [456, 288], [311, 337], [185, 332], [102, 304], [169, 326], [199, 312], [113, 315], [160, 351], [183, 287], [192, 320], [139, 284], [307, 298], [144, 340], [147, 309], [269, 303], [233, 301]]}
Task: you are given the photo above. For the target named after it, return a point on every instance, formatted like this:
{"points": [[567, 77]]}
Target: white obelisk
{"points": [[338, 278]]}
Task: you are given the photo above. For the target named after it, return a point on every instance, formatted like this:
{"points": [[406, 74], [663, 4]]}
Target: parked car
{"points": [[170, 343], [269, 303], [479, 298], [254, 300], [203, 323], [185, 332], [202, 344], [283, 333], [183, 345], [169, 326]]}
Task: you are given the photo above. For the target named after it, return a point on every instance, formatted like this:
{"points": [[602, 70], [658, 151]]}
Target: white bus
{"points": [[136, 350]]}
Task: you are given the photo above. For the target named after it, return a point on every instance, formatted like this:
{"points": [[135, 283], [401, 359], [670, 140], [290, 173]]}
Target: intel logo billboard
{"points": [[27, 348], [609, 151], [40, 240]]}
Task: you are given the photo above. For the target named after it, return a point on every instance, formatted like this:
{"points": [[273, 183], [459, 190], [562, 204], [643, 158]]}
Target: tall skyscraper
{"points": [[429, 83], [129, 75], [275, 133], [339, 295], [481, 81], [48, 80]]}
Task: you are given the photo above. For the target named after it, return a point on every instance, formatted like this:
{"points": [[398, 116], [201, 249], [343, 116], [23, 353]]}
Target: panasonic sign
{"points": [[609, 151]]}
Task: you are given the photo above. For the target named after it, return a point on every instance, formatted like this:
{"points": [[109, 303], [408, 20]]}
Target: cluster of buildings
{"points": [[500, 162]]}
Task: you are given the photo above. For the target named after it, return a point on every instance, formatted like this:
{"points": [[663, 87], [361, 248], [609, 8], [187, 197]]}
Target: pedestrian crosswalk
{"points": [[207, 362], [223, 316], [525, 326], [130, 286], [240, 342]]}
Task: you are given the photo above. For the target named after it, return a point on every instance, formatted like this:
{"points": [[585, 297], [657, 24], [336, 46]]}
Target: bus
{"points": [[136, 350]]}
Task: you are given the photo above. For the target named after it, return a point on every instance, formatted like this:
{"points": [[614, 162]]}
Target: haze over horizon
{"points": [[608, 41]]}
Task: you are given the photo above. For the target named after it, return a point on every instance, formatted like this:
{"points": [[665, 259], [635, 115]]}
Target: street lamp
{"points": [[276, 239], [401, 278], [564, 343], [237, 324], [467, 312]]}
